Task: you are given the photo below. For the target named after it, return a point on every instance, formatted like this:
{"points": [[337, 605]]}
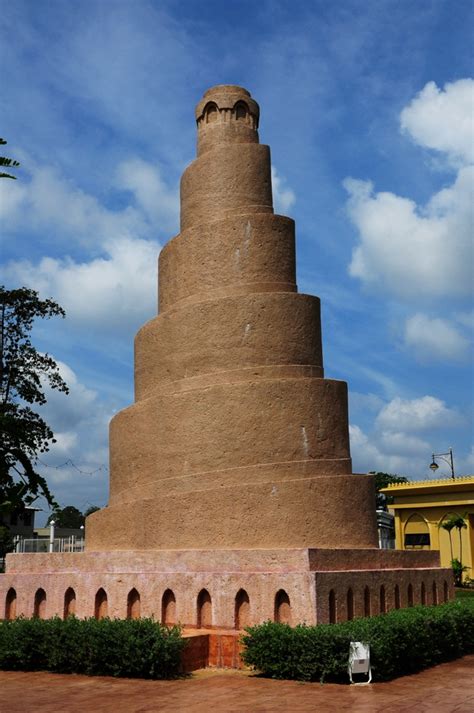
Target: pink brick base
{"points": [[216, 649], [316, 583]]}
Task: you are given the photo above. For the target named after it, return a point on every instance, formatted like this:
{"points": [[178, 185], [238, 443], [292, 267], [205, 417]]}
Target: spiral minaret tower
{"points": [[232, 500], [235, 438]]}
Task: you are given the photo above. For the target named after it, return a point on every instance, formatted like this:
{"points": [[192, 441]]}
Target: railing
{"points": [[25, 545]]}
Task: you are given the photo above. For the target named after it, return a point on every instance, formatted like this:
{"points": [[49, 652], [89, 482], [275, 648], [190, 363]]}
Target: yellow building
{"points": [[420, 509]]}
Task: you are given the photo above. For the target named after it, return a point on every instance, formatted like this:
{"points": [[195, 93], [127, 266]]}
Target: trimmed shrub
{"points": [[136, 648], [401, 642]]}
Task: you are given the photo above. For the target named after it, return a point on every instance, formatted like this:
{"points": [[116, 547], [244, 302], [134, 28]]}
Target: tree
{"points": [[460, 524], [383, 480], [7, 163], [448, 526], [24, 372], [6, 544], [91, 509], [454, 521], [68, 516], [458, 571]]}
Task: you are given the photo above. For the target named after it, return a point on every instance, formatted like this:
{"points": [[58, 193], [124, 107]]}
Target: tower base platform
{"points": [[225, 589]]}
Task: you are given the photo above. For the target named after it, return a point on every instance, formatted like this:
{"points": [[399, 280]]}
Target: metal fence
{"points": [[25, 545]]}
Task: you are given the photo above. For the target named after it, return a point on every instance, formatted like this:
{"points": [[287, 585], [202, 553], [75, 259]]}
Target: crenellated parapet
{"points": [[226, 114]]}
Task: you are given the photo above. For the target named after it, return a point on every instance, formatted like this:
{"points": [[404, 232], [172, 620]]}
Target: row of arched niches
{"points": [[239, 112], [339, 607]]}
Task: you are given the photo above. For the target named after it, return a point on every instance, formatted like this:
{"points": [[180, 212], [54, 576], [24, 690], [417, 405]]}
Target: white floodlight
{"points": [[359, 662]]}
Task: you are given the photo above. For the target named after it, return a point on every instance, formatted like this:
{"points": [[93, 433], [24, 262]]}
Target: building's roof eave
{"points": [[463, 482]]}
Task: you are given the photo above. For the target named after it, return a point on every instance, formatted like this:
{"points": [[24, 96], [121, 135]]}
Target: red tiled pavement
{"points": [[448, 688]]}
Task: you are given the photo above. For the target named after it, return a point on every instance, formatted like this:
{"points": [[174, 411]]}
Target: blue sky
{"points": [[368, 109]]}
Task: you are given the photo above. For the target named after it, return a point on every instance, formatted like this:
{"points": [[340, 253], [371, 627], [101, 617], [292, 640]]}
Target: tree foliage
{"points": [[68, 516], [7, 163], [455, 521], [24, 373], [6, 544], [383, 480], [91, 509], [448, 525]]}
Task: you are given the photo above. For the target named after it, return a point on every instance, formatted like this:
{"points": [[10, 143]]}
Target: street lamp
{"points": [[434, 466]]}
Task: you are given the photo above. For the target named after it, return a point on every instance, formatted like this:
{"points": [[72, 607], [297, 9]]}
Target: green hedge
{"points": [[139, 648], [401, 642]]}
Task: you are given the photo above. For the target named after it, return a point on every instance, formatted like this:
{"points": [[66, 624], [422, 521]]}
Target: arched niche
{"points": [[397, 597], [423, 593], [168, 608], [133, 604], [434, 593], [332, 603], [211, 113], [282, 609], [445, 591], [350, 604], [410, 595], [69, 608], [39, 607], [204, 610], [101, 607], [367, 603], [448, 515], [242, 609], [241, 111], [10, 604], [416, 533], [382, 602]]}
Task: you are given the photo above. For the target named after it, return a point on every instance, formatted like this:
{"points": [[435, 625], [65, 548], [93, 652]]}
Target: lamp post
{"points": [[434, 466]]}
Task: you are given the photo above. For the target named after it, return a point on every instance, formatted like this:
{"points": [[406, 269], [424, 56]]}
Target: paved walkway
{"points": [[448, 688]]}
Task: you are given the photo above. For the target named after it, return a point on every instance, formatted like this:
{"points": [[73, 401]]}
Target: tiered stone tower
{"points": [[234, 434], [231, 494]]}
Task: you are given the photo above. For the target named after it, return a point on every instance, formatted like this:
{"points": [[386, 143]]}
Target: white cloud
{"points": [[365, 402], [64, 412], [415, 415], [56, 206], [65, 442], [434, 338], [159, 202], [464, 465], [115, 286], [402, 444], [79, 421], [368, 456], [466, 319], [392, 446], [442, 119], [413, 250], [389, 385], [51, 203], [115, 291], [283, 196]]}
